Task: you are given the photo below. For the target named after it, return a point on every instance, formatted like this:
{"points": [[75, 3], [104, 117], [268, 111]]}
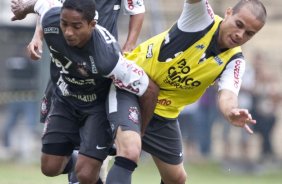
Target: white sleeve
{"points": [[133, 7], [42, 6], [195, 17], [231, 78], [129, 76]]}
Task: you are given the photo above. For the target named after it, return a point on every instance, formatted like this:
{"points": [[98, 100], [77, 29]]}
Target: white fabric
{"points": [[42, 6], [195, 17], [133, 7], [113, 99], [128, 76], [231, 78]]}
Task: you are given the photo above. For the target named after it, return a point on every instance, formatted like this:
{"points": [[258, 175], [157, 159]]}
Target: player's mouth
{"points": [[233, 41], [71, 41]]}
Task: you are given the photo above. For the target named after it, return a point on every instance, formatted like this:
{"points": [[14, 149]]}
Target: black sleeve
{"points": [[107, 53]]}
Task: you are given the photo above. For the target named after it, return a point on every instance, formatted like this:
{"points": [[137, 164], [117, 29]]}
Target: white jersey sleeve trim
{"points": [[133, 7], [42, 6], [195, 17], [129, 76], [231, 78]]}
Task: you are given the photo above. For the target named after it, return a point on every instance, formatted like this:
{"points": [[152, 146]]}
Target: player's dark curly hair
{"points": [[85, 7]]}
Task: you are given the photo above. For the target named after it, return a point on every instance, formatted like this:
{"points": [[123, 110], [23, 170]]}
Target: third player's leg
{"points": [[171, 174]]}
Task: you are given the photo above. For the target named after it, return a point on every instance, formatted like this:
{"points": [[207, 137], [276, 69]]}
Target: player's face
{"points": [[237, 29], [76, 30]]}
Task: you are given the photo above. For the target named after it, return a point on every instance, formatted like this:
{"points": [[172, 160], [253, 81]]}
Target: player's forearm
{"points": [[38, 33], [148, 103], [227, 101], [135, 25]]}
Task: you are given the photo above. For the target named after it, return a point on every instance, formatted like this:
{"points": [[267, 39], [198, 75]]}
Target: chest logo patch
{"points": [[150, 51], [82, 69], [52, 30]]}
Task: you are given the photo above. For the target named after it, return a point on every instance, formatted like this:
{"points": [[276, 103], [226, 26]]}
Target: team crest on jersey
{"points": [[150, 51], [52, 30], [82, 69], [133, 114], [44, 106]]}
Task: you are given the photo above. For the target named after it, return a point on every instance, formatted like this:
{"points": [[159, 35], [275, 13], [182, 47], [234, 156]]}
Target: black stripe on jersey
{"points": [[179, 41]]}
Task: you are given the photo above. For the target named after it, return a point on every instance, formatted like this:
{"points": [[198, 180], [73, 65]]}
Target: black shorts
{"points": [[163, 140], [123, 110], [90, 132]]}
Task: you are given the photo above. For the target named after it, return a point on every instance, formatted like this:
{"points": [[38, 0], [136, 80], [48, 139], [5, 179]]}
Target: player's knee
{"points": [[50, 169], [84, 177], [52, 165], [129, 146], [130, 151], [176, 178], [87, 169], [180, 178]]}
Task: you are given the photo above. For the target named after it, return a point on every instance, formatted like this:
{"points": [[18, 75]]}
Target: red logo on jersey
{"points": [[130, 4], [209, 10], [236, 73], [164, 102], [120, 84]]}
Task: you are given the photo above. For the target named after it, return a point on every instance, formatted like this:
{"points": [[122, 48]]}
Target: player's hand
{"points": [[128, 47], [34, 49], [17, 7], [242, 118]]}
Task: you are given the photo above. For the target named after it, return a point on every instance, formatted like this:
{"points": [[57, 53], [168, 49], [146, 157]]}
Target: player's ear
{"points": [[229, 12], [93, 23]]}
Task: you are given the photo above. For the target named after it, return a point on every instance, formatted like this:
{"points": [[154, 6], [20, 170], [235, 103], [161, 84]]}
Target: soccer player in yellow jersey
{"points": [[200, 49]]}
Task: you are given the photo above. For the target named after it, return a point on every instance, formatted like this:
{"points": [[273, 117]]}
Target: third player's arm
{"points": [[135, 25], [148, 103], [34, 48]]}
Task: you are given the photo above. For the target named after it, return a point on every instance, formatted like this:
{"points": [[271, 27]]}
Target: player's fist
{"points": [[18, 9]]}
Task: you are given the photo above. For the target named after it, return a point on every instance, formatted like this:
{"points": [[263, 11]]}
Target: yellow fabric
{"points": [[183, 80]]}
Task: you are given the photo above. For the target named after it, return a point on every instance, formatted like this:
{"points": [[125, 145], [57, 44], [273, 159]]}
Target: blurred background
{"points": [[208, 139]]}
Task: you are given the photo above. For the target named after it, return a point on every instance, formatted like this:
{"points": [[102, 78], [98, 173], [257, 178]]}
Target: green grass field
{"points": [[146, 173]]}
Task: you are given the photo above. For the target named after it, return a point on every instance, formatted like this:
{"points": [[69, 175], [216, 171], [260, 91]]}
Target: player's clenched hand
{"points": [[18, 9], [242, 118]]}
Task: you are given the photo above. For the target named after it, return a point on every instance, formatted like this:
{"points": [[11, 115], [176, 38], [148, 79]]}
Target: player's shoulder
{"points": [[106, 49], [52, 16], [103, 37]]}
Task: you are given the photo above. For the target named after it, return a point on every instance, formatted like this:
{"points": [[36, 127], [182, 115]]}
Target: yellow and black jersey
{"points": [[185, 77]]}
